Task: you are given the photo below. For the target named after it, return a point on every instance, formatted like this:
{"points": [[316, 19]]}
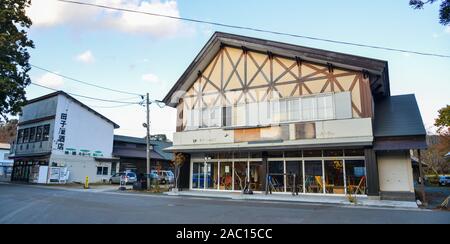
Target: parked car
{"points": [[165, 176], [142, 181], [131, 177], [444, 180]]}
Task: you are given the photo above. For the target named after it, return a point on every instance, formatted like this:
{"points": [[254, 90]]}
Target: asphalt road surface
{"points": [[28, 204]]}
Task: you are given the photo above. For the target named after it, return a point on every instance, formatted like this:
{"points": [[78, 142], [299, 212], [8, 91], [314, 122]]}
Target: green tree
{"points": [[14, 56], [444, 9], [442, 122]]}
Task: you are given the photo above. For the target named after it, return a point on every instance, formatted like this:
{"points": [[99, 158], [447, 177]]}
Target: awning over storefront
{"points": [[278, 145], [30, 156], [106, 159]]}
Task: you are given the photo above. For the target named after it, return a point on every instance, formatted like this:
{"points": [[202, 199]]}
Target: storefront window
{"points": [[257, 175], [333, 153], [312, 153], [226, 176], [240, 173], [211, 175], [334, 177], [313, 176], [241, 155], [293, 154], [275, 154], [355, 172], [294, 167], [255, 155], [198, 176], [354, 152], [276, 176]]}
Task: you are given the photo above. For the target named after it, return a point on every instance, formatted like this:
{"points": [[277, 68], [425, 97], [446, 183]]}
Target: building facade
{"points": [[132, 155], [59, 139], [5, 163], [276, 117]]}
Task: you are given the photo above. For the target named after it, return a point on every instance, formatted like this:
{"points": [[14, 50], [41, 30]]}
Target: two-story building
{"points": [[60, 139], [277, 117], [132, 154]]}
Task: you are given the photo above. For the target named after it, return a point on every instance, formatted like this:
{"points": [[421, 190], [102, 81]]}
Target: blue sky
{"points": [[142, 54]]}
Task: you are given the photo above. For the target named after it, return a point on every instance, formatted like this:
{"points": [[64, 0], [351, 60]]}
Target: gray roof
{"points": [[398, 116], [135, 153], [375, 67], [130, 139], [53, 94], [158, 147]]}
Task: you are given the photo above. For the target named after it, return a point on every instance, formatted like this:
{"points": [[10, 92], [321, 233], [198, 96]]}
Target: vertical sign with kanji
{"points": [[62, 132]]}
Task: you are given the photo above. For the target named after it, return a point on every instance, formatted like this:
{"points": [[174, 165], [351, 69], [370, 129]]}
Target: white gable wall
{"points": [[84, 129]]}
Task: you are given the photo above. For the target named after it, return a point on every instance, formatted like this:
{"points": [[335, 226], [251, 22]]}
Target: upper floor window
{"points": [[308, 108], [39, 133], [26, 134], [46, 133], [32, 134], [19, 136]]}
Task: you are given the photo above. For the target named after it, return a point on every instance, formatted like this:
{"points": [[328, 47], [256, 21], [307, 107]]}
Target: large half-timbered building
{"points": [[277, 117]]}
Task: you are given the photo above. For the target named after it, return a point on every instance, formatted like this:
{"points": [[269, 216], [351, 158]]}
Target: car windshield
{"points": [[131, 175]]}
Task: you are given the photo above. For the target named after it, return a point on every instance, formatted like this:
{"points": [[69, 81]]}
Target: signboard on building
{"points": [[62, 132]]}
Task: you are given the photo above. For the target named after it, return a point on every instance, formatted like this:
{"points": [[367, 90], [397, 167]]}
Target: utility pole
{"points": [[149, 179], [422, 179]]}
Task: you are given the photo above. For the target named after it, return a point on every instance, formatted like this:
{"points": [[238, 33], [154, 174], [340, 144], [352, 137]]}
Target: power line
{"points": [[259, 30], [84, 82], [87, 97], [117, 106]]}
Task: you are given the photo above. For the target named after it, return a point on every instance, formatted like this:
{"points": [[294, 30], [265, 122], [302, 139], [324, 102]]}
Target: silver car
{"points": [[130, 177], [165, 176]]}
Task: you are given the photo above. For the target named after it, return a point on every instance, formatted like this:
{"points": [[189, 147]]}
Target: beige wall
{"points": [[395, 171], [236, 77]]}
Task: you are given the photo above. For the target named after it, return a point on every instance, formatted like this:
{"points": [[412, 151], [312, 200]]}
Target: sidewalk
{"points": [[73, 187], [361, 200]]}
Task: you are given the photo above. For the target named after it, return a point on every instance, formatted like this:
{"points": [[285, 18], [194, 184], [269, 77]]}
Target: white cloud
{"points": [[152, 78], [85, 57], [48, 13], [51, 80], [447, 30]]}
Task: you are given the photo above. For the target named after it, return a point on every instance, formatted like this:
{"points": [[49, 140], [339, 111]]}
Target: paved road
{"points": [[28, 204]]}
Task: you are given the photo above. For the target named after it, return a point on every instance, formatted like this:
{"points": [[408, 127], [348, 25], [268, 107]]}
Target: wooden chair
{"points": [[361, 186]]}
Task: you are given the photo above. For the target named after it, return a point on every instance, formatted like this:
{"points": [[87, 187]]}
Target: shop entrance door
{"points": [[257, 174]]}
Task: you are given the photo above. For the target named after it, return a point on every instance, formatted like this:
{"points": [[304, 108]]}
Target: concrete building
{"points": [[60, 139], [276, 117], [5, 163]]}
